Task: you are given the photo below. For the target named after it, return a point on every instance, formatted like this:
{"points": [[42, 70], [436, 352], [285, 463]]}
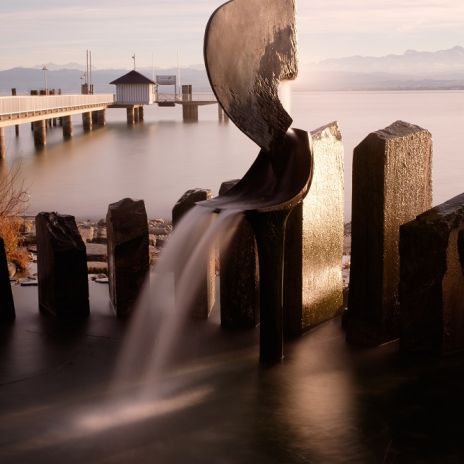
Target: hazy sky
{"points": [[59, 31]]}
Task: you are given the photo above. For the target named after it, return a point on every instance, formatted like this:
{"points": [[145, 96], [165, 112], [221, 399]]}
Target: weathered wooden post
{"points": [[13, 93], [66, 122], [239, 277], [313, 282], [61, 267], [190, 112], [128, 254], [205, 298], [87, 121], [101, 118], [432, 280], [392, 184], [7, 309], [130, 115], [2, 143], [40, 133]]}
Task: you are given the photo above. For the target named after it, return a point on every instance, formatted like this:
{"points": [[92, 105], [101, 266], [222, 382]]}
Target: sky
{"points": [[170, 31]]}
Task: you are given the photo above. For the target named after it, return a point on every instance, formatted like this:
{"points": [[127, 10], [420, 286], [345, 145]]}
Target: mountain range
{"points": [[443, 69]]}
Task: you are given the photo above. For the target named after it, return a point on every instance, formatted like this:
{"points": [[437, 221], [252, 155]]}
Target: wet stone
{"points": [[7, 309], [392, 184], [204, 301], [239, 277], [432, 280], [128, 253], [61, 267]]}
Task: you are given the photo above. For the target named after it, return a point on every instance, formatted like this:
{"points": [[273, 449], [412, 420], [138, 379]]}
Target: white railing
{"points": [[41, 103], [196, 97]]}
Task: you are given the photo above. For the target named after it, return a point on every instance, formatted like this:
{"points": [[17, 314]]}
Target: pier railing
{"points": [[31, 104]]}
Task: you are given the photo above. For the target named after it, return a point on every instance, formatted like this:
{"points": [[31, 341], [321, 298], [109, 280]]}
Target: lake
{"points": [[163, 157]]}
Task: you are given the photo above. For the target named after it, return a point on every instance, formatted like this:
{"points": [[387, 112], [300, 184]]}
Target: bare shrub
{"points": [[13, 203]]}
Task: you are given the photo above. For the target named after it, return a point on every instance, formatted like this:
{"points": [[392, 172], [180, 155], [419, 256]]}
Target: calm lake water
{"points": [[162, 158]]}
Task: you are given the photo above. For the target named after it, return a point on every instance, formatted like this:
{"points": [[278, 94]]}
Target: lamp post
{"points": [[44, 69]]}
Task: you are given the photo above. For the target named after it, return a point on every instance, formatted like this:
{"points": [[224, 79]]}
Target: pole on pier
{"points": [[190, 112], [101, 118], [2, 143], [141, 114]]}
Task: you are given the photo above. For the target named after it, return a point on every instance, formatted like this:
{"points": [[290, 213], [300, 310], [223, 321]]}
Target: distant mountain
{"points": [[69, 80], [413, 70]]}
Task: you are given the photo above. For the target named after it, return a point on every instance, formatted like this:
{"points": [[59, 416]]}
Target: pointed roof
{"points": [[132, 77]]}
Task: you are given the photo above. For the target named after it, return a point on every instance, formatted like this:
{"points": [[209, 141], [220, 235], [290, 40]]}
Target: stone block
{"points": [[61, 267], [239, 277], [432, 280], [7, 309], [313, 282], [392, 184], [128, 255], [205, 298]]}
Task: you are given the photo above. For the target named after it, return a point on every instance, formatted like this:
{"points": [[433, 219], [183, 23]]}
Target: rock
{"points": [[7, 308], [239, 277], [432, 280], [313, 282], [392, 184], [96, 252], [204, 301], [128, 252], [61, 267]]}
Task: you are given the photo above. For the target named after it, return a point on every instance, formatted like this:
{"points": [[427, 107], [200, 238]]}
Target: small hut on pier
{"points": [[135, 89]]}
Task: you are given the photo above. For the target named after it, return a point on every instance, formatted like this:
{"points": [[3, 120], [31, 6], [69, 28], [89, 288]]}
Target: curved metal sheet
{"points": [[250, 46]]}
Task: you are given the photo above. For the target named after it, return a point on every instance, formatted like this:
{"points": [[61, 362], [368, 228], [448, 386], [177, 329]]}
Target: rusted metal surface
{"points": [[250, 46]]}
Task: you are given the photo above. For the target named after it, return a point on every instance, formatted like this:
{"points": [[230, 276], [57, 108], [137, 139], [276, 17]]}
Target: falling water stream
{"points": [[139, 389]]}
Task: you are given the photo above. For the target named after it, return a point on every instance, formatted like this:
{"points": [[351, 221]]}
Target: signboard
{"points": [[166, 80]]}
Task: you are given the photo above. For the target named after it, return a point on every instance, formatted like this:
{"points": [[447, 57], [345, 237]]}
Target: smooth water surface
{"points": [[163, 157]]}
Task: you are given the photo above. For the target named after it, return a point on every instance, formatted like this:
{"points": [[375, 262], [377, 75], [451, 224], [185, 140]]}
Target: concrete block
{"points": [[432, 280], [313, 282], [128, 256], [392, 184], [61, 267]]}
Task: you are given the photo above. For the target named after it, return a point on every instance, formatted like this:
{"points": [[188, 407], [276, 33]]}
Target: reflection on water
{"points": [[162, 158]]}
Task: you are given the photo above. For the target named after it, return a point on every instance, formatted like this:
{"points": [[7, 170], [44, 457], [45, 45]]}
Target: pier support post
{"points": [[313, 282], [130, 115], [190, 112], [67, 127], [220, 113], [101, 118], [2, 143], [94, 118], [392, 184], [136, 115], [87, 121], [141, 114], [40, 133]]}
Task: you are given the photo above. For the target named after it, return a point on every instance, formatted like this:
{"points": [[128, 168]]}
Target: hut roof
{"points": [[132, 77]]}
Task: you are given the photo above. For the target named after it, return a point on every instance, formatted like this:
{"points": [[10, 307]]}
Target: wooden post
{"points": [[13, 92], [190, 112], [101, 119], [141, 114], [220, 113], [94, 117], [67, 126], [2, 143], [40, 133], [130, 115], [87, 121]]}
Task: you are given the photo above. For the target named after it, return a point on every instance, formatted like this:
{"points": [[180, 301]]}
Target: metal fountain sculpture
{"points": [[250, 46]]}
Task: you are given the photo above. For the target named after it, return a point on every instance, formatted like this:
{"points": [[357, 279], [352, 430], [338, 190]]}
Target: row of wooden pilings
{"points": [[90, 120]]}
